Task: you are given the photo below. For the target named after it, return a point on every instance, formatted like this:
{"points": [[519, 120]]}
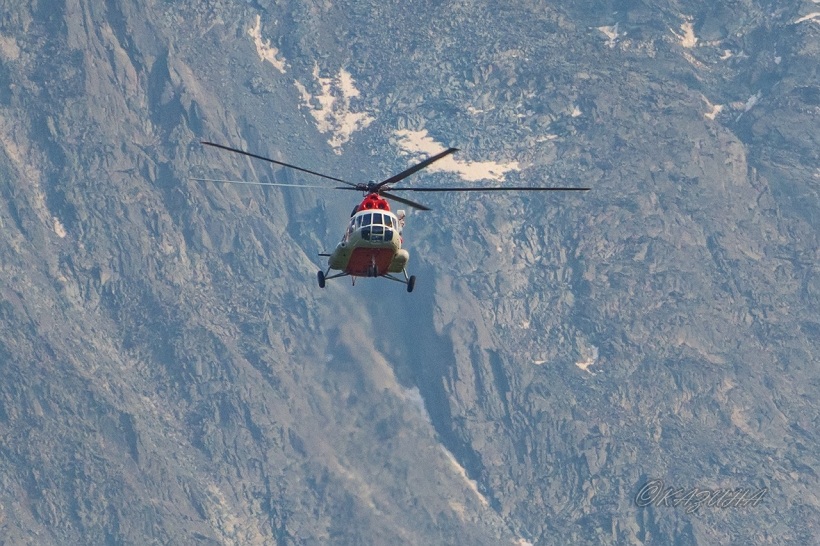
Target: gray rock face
{"points": [[169, 373]]}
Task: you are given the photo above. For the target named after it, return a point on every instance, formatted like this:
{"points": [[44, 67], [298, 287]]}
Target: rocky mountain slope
{"points": [[170, 373]]}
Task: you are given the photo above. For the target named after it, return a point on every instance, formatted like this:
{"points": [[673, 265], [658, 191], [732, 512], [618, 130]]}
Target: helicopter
{"points": [[372, 243]]}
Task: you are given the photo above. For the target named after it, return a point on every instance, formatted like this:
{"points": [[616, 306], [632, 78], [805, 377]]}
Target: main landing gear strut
{"points": [[410, 281]]}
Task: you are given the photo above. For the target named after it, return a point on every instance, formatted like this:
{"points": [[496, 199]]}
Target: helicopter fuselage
{"points": [[371, 245]]}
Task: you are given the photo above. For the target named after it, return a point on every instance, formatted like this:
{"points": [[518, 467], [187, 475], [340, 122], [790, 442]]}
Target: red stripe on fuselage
{"points": [[362, 258]]}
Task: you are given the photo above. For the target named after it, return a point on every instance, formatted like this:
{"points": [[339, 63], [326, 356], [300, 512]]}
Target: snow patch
{"points": [[59, 229], [589, 355], [419, 142], [611, 33], [810, 17], [331, 109], [715, 109], [264, 48], [473, 111], [687, 36]]}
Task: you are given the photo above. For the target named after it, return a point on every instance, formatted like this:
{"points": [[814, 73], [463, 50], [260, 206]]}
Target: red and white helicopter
{"points": [[372, 243]]}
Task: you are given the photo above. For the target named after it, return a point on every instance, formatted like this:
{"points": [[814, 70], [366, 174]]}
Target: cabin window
{"points": [[377, 218], [366, 219], [358, 222]]}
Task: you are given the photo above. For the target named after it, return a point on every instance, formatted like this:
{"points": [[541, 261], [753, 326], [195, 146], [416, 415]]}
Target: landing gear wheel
{"points": [[411, 282], [321, 278]]}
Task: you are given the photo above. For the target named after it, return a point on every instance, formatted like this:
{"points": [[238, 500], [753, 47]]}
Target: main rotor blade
{"points": [[263, 158], [490, 188], [415, 168], [407, 202], [249, 183]]}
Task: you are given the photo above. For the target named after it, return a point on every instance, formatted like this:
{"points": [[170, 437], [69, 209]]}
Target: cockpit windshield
{"points": [[376, 227], [375, 219]]}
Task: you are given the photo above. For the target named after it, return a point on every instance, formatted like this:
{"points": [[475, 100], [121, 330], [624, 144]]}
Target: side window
{"points": [[358, 222]]}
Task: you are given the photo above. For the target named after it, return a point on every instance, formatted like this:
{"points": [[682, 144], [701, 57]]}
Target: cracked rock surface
{"points": [[170, 373]]}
